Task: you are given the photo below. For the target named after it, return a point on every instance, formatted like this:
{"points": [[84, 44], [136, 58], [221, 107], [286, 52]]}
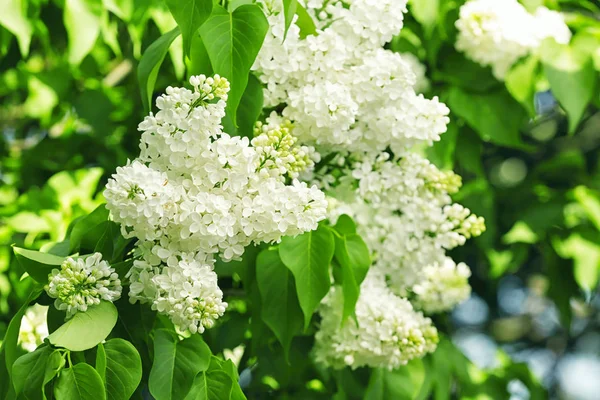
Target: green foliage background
{"points": [[72, 72]]}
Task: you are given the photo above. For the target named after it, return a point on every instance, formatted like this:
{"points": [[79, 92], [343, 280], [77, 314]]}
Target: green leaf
{"points": [[32, 371], [189, 15], [572, 78], [487, 114], [105, 244], [354, 258], [345, 225], [442, 152], [590, 203], [305, 22], [308, 256], [280, 309], [123, 369], [402, 383], [150, 64], [232, 41], [521, 82], [586, 257], [81, 382], [11, 337], [176, 363], [250, 107], [425, 12], [14, 18], [88, 229], [38, 265], [82, 19], [289, 10], [101, 362], [86, 329], [211, 385]]}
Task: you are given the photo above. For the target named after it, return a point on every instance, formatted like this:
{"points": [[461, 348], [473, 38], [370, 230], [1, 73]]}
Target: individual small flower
{"points": [[34, 328], [83, 282], [387, 333]]}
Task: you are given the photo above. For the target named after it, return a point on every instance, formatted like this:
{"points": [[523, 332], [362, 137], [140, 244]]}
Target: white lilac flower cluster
{"points": [[422, 83], [196, 192], [34, 328], [83, 282], [498, 33], [389, 332], [340, 87], [356, 102]]}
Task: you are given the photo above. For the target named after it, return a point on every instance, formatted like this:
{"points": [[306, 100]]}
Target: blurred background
{"points": [[70, 105]]}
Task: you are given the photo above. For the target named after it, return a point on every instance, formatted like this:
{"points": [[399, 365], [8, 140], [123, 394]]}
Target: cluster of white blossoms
{"points": [[340, 87], [356, 101], [422, 83], [34, 328], [389, 332], [83, 282], [196, 192], [498, 33]]}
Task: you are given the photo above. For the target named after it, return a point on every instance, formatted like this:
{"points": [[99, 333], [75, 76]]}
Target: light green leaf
{"points": [[123, 369], [305, 22], [27, 222], [37, 264], [82, 19], [520, 233], [425, 12], [190, 15], [289, 10], [280, 309], [521, 82], [345, 225], [14, 18], [487, 114], [86, 329], [352, 254], [121, 8], [232, 41], [590, 203], [308, 256], [32, 371], [81, 382], [572, 78], [586, 257], [176, 363], [150, 64]]}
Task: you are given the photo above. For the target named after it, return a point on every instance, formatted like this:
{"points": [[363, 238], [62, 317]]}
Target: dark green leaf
{"points": [[88, 226], [150, 64], [176, 363], [487, 115], [233, 41], [189, 15], [9, 343], [123, 369], [280, 309], [352, 254], [32, 371], [38, 265], [81, 382], [308, 256], [250, 107]]}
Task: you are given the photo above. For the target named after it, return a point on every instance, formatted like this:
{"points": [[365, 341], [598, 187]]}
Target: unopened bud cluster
{"points": [[83, 282]]}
